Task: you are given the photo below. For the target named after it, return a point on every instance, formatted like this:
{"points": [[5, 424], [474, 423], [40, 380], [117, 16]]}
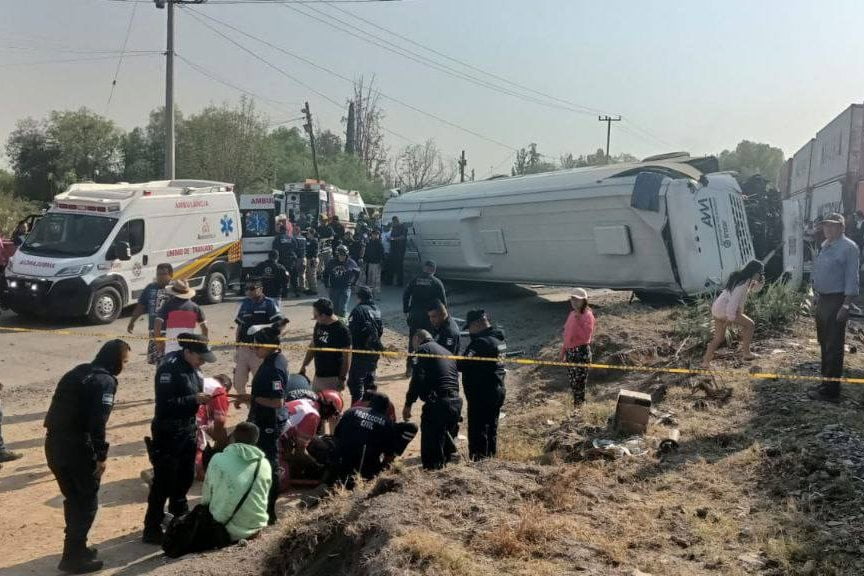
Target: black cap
{"points": [[364, 293], [197, 344], [253, 283], [475, 315], [268, 335], [430, 264]]}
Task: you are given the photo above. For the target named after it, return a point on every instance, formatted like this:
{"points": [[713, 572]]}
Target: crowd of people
{"points": [[300, 431]]}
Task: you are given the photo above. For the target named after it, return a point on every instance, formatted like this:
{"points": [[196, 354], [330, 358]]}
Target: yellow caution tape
{"points": [[517, 361]]}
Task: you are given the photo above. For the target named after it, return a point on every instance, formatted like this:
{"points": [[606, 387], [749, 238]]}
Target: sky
{"points": [[692, 76]]}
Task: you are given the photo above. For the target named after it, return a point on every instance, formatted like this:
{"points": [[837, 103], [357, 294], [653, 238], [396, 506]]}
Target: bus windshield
{"points": [[68, 235]]}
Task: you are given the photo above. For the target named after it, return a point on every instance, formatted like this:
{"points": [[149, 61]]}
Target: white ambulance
{"points": [[97, 247]]}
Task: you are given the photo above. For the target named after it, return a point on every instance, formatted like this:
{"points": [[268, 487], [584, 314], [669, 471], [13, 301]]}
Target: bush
{"points": [[694, 320], [776, 306]]}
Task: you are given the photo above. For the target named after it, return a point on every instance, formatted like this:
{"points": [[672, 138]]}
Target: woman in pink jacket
{"points": [[576, 348], [728, 310]]}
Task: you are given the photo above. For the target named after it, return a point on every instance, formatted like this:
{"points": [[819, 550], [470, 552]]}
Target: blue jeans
{"points": [[340, 298]]}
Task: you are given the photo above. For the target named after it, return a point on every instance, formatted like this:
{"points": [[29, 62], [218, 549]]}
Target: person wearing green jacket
{"points": [[229, 476]]}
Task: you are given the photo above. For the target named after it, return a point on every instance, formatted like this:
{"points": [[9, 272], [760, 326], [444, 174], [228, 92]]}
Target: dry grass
{"points": [[526, 537], [426, 550]]}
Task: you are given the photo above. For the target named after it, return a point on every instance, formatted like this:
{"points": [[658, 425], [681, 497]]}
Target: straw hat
{"points": [[180, 289]]}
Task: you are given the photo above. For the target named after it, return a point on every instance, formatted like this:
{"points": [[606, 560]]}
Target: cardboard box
{"points": [[632, 412]]}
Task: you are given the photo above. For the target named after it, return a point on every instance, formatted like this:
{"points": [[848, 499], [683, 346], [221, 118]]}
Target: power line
{"points": [[638, 131], [120, 60], [271, 1], [70, 51], [385, 44], [216, 78], [68, 60], [332, 73]]}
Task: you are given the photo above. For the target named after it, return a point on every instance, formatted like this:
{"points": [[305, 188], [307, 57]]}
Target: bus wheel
{"points": [[215, 286], [657, 299], [106, 306]]}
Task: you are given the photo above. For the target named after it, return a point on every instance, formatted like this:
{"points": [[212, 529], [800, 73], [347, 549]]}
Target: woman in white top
{"points": [[728, 309]]}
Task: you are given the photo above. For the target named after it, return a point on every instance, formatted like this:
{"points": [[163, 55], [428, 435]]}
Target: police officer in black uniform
{"points": [[179, 392], [273, 276], [435, 381], [445, 330], [286, 246], [483, 382], [366, 329], [267, 401], [418, 296], [76, 449]]}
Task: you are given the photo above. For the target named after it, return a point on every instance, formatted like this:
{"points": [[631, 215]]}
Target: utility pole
{"points": [[311, 131], [169, 83], [608, 120], [462, 163], [472, 174]]}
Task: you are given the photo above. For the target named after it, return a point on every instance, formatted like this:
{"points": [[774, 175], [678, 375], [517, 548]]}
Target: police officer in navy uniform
{"points": [[444, 328], [76, 449], [435, 381], [267, 400], [179, 392], [419, 295], [273, 276], [366, 329], [483, 382], [286, 246]]}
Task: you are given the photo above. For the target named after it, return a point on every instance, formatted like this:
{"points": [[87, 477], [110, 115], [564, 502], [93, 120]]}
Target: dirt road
{"points": [[31, 521]]}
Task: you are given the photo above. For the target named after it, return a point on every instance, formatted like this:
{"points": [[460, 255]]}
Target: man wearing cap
{"points": [[435, 381], [418, 297], [366, 330], [256, 309], [835, 284], [266, 402], [483, 382], [179, 393], [273, 276], [179, 314], [444, 328], [340, 275]]}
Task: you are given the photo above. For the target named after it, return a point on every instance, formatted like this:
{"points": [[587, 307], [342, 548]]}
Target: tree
{"points": [[529, 161], [227, 143], [568, 161], [87, 144], [350, 130], [369, 127], [33, 158], [751, 158], [421, 166], [329, 144], [139, 163]]}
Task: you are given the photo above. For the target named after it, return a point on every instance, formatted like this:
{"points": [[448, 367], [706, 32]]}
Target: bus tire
{"points": [[657, 299], [214, 288], [106, 306]]}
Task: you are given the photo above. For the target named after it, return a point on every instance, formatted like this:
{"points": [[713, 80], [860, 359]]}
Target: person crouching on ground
{"points": [[230, 475], [576, 348], [728, 309]]}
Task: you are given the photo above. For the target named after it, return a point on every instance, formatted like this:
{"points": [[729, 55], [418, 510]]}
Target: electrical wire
{"points": [[73, 51], [268, 1], [120, 60], [330, 72], [68, 60]]}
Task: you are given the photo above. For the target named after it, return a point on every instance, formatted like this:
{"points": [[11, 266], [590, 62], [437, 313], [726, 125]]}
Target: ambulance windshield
{"points": [[68, 235]]}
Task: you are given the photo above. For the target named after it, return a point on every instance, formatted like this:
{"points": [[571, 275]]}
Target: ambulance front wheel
{"points": [[214, 288], [106, 306]]}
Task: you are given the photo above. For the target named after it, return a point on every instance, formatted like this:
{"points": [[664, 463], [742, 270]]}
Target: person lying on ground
{"points": [[728, 310], [305, 419]]}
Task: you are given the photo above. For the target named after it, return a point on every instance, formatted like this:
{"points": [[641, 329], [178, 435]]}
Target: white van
{"points": [[661, 227], [97, 247]]}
